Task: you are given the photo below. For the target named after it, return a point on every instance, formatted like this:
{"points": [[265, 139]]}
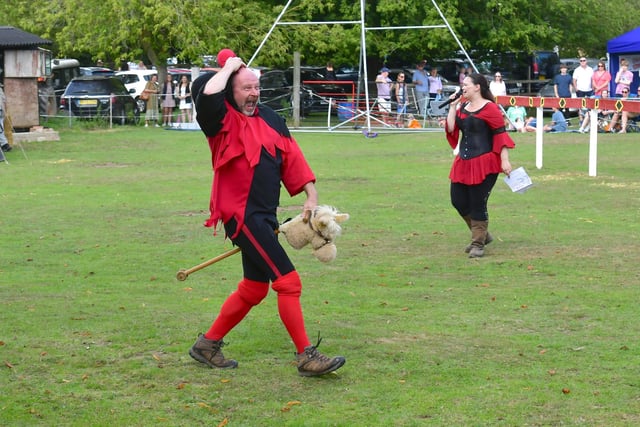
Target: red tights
{"points": [[250, 293]]}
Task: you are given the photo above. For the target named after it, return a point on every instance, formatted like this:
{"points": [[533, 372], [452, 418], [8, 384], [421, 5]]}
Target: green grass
{"points": [[95, 329]]}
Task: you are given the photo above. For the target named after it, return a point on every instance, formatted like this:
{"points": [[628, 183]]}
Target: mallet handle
{"points": [[183, 274]]}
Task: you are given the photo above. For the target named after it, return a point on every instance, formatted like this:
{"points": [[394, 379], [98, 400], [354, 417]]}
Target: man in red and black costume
{"points": [[252, 153]]}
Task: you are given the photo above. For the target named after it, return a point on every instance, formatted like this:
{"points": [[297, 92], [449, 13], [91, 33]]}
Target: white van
{"points": [[63, 70], [51, 86]]}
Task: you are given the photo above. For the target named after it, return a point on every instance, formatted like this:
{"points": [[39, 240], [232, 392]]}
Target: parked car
{"points": [[100, 97], [276, 92], [136, 80], [537, 67], [348, 73], [96, 71], [313, 79]]}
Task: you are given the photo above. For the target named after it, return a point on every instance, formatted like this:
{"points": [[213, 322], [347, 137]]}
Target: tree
{"points": [[119, 30], [123, 30]]}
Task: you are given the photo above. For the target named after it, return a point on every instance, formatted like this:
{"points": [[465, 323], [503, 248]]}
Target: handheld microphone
{"points": [[449, 101]]}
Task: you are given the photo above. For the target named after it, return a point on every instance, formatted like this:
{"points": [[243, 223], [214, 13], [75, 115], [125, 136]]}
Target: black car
{"points": [[313, 78], [100, 97], [347, 73], [276, 92]]}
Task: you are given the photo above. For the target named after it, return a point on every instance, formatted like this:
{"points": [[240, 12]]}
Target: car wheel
{"points": [[142, 105], [121, 117]]}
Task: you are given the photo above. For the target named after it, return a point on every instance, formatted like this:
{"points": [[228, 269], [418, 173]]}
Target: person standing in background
{"points": [[562, 83], [383, 85], [421, 82], [601, 79], [497, 86], [184, 95], [151, 89], [329, 72], [400, 91], [583, 82], [435, 85], [624, 78], [168, 101]]}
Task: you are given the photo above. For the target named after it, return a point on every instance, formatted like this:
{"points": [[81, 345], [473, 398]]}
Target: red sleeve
{"points": [[454, 136], [492, 115]]}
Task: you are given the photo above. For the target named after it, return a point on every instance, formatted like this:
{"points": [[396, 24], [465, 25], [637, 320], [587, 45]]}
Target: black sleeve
{"points": [[275, 120], [210, 109]]}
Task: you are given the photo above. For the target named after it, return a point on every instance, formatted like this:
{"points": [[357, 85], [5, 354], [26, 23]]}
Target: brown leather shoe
{"points": [[312, 363], [208, 352]]}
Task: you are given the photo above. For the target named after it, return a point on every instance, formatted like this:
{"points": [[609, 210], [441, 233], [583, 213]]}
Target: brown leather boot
{"points": [[487, 240], [208, 352], [478, 238], [312, 363]]}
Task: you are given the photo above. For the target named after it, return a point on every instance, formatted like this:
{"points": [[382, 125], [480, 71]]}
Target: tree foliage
{"points": [[124, 30]]}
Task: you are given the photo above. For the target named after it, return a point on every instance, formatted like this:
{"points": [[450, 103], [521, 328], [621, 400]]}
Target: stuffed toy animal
{"points": [[320, 231]]}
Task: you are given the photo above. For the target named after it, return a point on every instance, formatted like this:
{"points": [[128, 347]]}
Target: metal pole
{"points": [[296, 90], [269, 33], [363, 52]]}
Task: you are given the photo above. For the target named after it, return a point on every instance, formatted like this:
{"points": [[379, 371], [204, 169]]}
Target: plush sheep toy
{"points": [[320, 230]]}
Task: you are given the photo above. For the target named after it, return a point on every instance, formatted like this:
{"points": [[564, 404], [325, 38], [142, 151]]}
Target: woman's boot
{"points": [[487, 240], [478, 238]]}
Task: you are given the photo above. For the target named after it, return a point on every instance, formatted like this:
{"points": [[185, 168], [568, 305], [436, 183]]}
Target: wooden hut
{"points": [[22, 63]]}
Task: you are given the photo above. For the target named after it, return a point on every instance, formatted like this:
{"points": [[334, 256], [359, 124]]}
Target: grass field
{"points": [[542, 331]]}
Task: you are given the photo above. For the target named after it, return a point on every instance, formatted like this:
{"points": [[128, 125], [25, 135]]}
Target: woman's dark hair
{"points": [[479, 79]]}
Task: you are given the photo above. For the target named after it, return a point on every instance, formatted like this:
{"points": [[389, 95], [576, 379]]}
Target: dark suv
{"points": [[276, 92], [100, 97]]}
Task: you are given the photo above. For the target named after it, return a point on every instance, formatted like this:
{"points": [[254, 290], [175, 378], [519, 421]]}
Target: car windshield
{"points": [[483, 67], [86, 87]]}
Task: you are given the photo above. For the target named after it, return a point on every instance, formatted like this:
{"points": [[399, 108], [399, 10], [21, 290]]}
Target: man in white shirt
{"points": [[582, 77], [582, 81]]}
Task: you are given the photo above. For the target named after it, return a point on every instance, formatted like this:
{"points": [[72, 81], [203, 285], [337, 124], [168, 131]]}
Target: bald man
{"points": [[252, 154]]}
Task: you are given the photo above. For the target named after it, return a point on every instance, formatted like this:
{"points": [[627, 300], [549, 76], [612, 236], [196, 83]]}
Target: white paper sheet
{"points": [[519, 181]]}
